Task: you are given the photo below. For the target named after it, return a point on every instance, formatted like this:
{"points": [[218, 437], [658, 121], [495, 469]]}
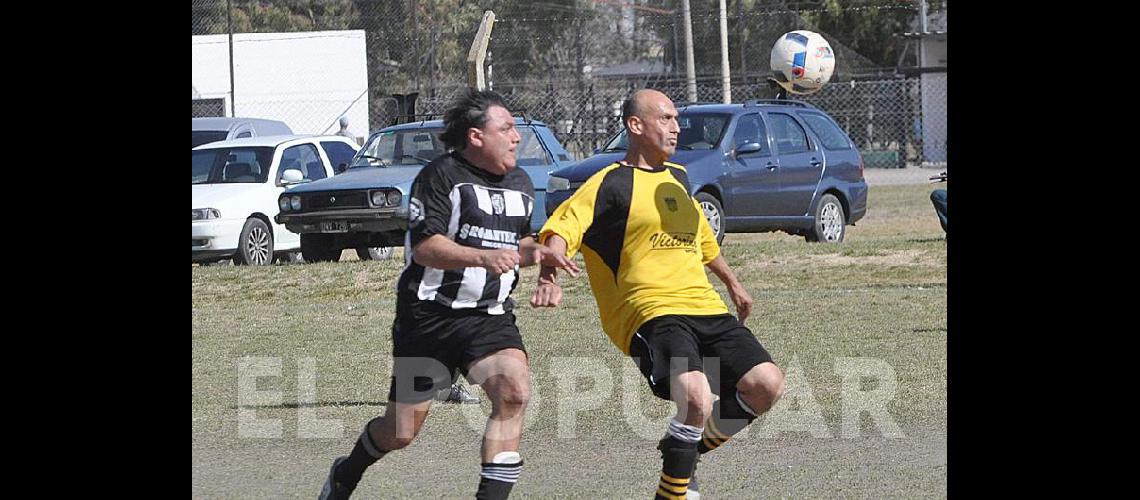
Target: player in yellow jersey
{"points": [[646, 243]]}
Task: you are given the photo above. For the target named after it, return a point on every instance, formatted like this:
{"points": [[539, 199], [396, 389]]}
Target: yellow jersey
{"points": [[645, 242]]}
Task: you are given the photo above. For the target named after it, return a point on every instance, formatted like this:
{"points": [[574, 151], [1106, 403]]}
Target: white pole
{"points": [[690, 71], [725, 76]]}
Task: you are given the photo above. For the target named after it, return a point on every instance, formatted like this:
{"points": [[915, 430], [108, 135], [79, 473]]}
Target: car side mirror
{"points": [[748, 147], [341, 168], [292, 176], [597, 150]]}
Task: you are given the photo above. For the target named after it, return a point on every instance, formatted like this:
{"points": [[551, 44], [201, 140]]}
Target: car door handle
{"points": [[815, 162], [772, 166]]}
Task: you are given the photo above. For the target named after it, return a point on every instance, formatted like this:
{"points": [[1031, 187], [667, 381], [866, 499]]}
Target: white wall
{"points": [[308, 80]]}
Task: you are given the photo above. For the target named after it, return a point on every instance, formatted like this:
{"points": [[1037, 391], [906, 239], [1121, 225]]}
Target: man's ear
{"points": [[475, 137], [634, 125]]}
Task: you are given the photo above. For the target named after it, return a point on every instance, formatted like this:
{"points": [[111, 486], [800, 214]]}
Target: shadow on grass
{"points": [[292, 406]]}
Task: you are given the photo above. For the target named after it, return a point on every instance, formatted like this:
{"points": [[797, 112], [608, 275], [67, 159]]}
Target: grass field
{"points": [[857, 325]]}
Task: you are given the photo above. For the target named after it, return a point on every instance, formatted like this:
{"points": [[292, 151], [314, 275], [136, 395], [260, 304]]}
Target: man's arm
{"points": [[548, 293], [532, 252], [440, 252], [736, 291]]}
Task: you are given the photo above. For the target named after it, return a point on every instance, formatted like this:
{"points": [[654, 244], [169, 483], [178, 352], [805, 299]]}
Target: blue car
{"points": [[366, 207], [761, 166]]}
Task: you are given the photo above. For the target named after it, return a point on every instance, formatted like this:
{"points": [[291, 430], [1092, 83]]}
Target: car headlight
{"points": [[379, 198], [206, 214], [557, 184], [394, 198], [295, 202], [283, 203]]}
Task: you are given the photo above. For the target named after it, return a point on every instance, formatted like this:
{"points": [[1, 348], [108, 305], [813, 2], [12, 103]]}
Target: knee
{"points": [[697, 399], [513, 393], [762, 387]]}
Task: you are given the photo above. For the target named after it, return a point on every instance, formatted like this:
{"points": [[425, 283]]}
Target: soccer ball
{"points": [[802, 62]]}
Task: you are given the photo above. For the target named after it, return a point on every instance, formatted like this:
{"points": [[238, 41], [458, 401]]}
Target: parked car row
{"points": [[367, 205], [768, 165]]}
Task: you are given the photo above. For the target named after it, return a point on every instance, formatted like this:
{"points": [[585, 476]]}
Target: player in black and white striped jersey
{"points": [[468, 234]]}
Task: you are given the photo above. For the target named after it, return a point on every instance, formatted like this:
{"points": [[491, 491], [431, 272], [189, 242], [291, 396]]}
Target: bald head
{"points": [[642, 101], [651, 121]]}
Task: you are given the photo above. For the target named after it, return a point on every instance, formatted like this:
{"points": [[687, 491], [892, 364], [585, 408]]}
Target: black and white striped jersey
{"points": [[474, 208]]}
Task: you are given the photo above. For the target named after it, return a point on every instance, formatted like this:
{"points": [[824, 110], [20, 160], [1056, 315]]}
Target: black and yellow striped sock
{"points": [[678, 459], [728, 418], [672, 488]]}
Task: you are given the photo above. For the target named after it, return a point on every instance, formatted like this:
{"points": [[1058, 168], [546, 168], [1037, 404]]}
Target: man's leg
{"points": [[753, 394], [395, 430], [691, 393], [505, 378], [750, 382], [938, 198]]}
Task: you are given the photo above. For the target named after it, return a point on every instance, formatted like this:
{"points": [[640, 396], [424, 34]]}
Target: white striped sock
{"points": [[686, 433]]}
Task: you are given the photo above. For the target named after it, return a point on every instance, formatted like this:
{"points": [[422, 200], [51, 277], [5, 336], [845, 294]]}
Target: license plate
{"points": [[336, 226]]}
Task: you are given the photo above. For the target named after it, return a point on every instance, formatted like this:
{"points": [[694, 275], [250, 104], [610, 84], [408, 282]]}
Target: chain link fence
{"points": [[570, 63]]}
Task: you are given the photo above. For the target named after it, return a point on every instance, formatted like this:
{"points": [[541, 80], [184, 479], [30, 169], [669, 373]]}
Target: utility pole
{"points": [[725, 76], [690, 71], [230, 30]]}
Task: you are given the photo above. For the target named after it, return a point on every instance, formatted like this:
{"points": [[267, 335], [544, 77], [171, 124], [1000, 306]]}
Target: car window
{"points": [[828, 133], [231, 165], [338, 153], [416, 144], [201, 137], [401, 147], [701, 130], [751, 129], [302, 157], [530, 150], [790, 137]]}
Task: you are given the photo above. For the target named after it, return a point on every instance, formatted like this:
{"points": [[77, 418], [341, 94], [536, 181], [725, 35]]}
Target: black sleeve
{"points": [[429, 210]]}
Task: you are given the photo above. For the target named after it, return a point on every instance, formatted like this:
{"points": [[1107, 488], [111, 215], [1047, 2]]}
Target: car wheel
{"points": [[829, 224], [374, 253], [255, 244], [714, 213], [317, 247]]}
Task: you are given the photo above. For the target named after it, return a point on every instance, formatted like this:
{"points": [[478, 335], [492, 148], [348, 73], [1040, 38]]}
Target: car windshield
{"points": [[231, 165], [400, 147], [698, 131], [204, 136]]}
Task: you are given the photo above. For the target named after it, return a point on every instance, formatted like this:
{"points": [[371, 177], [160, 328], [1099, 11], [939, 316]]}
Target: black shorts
{"points": [[430, 342], [687, 342]]}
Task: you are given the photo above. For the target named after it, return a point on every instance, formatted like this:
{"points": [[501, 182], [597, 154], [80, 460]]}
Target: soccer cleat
{"points": [[457, 393], [694, 493], [334, 490]]}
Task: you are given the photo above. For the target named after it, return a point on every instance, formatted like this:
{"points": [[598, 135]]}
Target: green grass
{"points": [[880, 295]]}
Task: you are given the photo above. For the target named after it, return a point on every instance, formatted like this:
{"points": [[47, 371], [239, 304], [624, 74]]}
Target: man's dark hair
{"points": [[628, 109], [467, 111]]}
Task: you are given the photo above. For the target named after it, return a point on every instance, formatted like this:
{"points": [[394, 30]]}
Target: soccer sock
{"points": [[499, 476], [364, 454], [678, 459], [729, 416]]}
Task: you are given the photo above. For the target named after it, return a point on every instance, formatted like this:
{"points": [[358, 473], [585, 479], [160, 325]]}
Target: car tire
{"points": [[829, 223], [316, 247], [255, 244], [714, 213], [374, 253]]}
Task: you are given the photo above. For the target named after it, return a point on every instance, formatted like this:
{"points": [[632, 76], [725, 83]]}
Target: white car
{"points": [[235, 187]]}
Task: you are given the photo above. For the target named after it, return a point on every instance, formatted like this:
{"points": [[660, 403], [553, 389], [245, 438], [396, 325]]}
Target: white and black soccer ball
{"points": [[802, 62]]}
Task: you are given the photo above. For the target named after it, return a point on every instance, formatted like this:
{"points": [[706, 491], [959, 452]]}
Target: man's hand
{"points": [[546, 257], [498, 261], [546, 294], [742, 300]]}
